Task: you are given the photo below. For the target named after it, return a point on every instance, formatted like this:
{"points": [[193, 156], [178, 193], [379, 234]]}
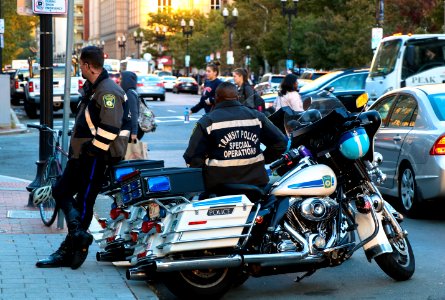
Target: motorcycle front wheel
{"points": [[200, 284], [400, 264]]}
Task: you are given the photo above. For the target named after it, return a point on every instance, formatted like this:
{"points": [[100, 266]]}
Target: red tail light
{"points": [[16, 84], [438, 147], [103, 222], [134, 236], [80, 83], [147, 226], [116, 212], [142, 254], [31, 87], [160, 84], [140, 84]]}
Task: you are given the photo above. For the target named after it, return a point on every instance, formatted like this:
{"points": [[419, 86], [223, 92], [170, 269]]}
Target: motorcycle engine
{"points": [[317, 209], [307, 214]]}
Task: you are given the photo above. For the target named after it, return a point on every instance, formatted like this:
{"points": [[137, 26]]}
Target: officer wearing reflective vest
{"points": [[96, 142], [226, 142]]}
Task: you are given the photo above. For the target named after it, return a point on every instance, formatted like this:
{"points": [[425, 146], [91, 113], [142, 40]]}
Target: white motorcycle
{"points": [[305, 221]]}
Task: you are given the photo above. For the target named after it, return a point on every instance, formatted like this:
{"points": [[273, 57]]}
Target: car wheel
{"points": [[408, 195], [162, 98]]}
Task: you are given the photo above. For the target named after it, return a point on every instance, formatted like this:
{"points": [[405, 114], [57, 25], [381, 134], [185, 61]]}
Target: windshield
{"points": [[318, 83], [385, 58]]}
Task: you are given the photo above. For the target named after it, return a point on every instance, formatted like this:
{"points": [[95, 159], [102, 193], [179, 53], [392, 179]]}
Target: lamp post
{"points": [[160, 36], [289, 12], [121, 41], [230, 22], [138, 38], [187, 33]]}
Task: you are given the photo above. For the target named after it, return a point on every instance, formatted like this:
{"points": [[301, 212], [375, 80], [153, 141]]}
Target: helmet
{"points": [[41, 194], [354, 143]]}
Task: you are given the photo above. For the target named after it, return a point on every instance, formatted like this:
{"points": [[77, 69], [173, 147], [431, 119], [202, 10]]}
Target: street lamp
{"points": [[160, 36], [138, 38], [101, 45], [121, 41], [247, 57], [230, 22], [187, 33], [289, 12]]}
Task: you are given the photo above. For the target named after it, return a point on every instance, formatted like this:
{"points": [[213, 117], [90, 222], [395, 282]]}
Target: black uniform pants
{"points": [[78, 188]]}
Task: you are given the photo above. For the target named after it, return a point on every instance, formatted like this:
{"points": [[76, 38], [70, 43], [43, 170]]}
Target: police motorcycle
{"points": [[308, 219], [121, 186]]}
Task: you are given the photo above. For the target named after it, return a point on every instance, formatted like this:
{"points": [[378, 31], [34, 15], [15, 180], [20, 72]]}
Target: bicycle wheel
{"points": [[48, 209]]}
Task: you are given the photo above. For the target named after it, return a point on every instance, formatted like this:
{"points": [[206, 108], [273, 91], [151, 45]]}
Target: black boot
{"points": [[81, 241], [61, 258]]}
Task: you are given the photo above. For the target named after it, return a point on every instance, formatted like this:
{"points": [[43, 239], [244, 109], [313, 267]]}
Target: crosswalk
{"points": [[58, 124]]}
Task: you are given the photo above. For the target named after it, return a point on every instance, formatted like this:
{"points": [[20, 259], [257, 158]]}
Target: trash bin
{"points": [[5, 101]]}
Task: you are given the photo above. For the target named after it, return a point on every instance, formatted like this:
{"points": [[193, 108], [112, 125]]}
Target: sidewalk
{"points": [[24, 239]]}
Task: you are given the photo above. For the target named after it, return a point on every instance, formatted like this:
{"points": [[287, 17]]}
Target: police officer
{"points": [[96, 142], [226, 142]]}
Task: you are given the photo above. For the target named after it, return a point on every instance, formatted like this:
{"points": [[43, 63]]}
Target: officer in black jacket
{"points": [[226, 142], [96, 142]]}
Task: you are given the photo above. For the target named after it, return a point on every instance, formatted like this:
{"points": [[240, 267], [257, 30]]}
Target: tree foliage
{"points": [[19, 33]]}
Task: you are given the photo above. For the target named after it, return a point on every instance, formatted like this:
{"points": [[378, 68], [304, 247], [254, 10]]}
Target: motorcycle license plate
{"points": [[220, 211]]}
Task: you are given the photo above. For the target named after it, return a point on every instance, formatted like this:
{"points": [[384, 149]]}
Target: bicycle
{"points": [[51, 171]]}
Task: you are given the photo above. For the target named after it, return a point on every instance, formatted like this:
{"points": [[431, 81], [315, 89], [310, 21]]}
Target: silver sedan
{"points": [[412, 142]]}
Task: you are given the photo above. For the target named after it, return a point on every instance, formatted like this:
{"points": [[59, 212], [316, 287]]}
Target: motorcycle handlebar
{"points": [[286, 158]]}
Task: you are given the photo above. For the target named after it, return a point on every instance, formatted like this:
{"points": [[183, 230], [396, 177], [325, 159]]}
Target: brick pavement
{"points": [[25, 240]]}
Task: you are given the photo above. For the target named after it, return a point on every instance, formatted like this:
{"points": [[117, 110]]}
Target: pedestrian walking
{"points": [[207, 99], [131, 112], [246, 94], [96, 142]]}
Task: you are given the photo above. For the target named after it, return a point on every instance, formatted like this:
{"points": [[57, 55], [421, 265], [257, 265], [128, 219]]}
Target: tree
{"points": [[19, 33]]}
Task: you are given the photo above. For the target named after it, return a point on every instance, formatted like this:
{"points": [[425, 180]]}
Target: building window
{"points": [[215, 4], [164, 5]]}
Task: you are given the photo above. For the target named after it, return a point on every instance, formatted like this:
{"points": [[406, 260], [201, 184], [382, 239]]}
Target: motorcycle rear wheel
{"points": [[400, 264], [200, 284]]}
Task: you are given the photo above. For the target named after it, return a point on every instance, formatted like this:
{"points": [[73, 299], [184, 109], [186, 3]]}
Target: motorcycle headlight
{"points": [[354, 143]]}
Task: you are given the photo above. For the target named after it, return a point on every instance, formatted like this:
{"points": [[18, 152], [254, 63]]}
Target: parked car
{"points": [[21, 77], [309, 76], [169, 82], [151, 86], [346, 85], [412, 142], [268, 83], [186, 85]]}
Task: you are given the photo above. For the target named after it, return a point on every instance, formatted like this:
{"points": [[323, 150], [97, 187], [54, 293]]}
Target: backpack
{"points": [[255, 101], [147, 121]]}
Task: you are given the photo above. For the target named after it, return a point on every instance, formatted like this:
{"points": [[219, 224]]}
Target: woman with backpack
{"points": [[131, 111]]}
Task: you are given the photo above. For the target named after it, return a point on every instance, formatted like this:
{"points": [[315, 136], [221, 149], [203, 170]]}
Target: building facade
{"points": [[112, 23]]}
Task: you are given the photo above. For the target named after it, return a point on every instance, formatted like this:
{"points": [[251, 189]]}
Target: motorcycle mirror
{"points": [[361, 100], [378, 158]]}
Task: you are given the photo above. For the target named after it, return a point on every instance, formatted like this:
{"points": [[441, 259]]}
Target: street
{"points": [[355, 279]]}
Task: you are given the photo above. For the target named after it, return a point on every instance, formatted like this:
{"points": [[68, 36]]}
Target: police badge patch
{"points": [[109, 100]]}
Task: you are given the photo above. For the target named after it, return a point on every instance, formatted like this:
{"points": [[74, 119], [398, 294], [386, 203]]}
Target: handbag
{"points": [[138, 150]]}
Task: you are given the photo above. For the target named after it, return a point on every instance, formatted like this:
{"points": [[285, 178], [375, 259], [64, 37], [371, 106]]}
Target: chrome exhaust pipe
{"points": [[199, 263], [136, 274]]}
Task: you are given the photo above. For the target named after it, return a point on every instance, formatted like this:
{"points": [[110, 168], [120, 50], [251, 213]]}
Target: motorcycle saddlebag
{"points": [[206, 224]]}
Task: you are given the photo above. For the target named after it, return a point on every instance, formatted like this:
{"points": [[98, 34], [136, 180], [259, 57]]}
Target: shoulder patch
{"points": [[109, 100]]}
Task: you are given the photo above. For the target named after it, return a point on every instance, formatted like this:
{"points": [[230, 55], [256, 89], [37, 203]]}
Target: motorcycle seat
{"points": [[253, 192]]}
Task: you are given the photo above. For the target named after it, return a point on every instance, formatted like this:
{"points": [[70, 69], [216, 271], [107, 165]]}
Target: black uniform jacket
{"points": [[99, 119], [226, 144]]}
